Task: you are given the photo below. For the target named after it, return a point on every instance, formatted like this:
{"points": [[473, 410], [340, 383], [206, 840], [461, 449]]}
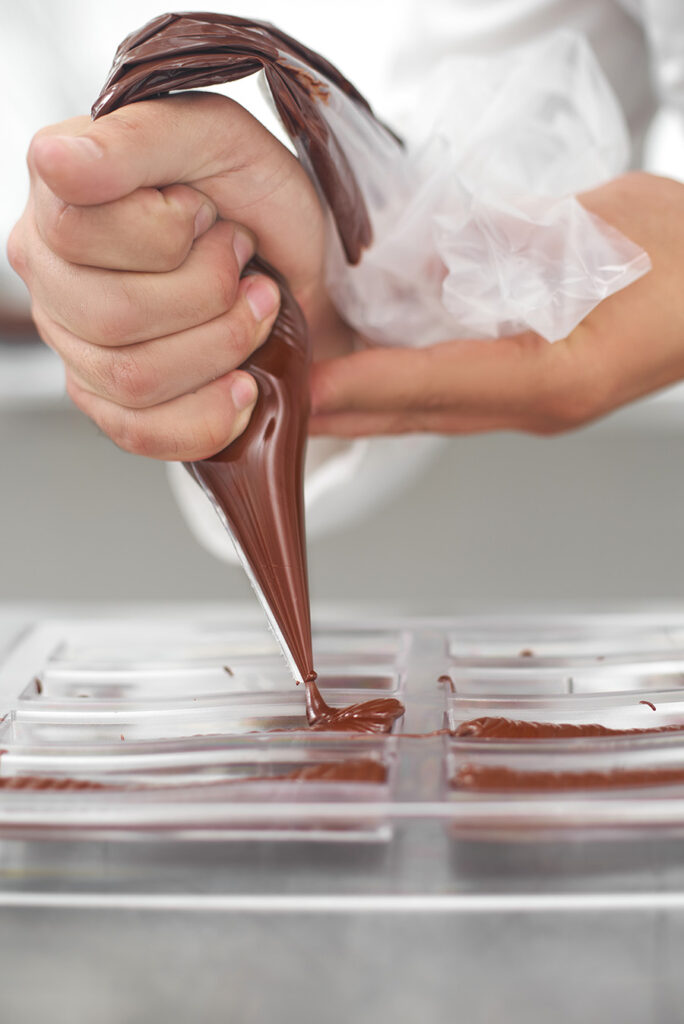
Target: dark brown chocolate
{"points": [[370, 716], [258, 480], [490, 728], [363, 769], [496, 778], [48, 782]]}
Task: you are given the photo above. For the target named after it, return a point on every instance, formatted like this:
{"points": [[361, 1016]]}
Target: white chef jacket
{"points": [[55, 56]]}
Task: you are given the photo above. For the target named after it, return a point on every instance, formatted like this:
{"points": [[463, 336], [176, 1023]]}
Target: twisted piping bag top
{"points": [[256, 483]]}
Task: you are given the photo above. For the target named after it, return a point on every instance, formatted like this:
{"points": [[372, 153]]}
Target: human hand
{"points": [[132, 243], [629, 345]]}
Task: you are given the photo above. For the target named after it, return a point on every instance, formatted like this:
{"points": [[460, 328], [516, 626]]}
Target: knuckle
{"points": [[238, 336], [172, 248], [130, 432], [208, 436], [118, 319], [57, 230], [174, 236], [126, 378], [16, 251], [227, 281]]}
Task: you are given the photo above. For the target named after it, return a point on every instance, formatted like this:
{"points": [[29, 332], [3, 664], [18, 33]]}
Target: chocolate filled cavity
{"points": [[493, 728], [496, 778]]}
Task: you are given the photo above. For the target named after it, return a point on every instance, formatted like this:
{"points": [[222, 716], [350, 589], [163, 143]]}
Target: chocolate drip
{"points": [[494, 778], [490, 728], [257, 481], [370, 716]]}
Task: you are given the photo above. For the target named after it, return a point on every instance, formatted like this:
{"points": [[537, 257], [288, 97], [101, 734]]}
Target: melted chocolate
{"points": [[48, 782], [487, 728], [258, 480], [370, 716], [494, 778], [361, 770], [351, 770]]}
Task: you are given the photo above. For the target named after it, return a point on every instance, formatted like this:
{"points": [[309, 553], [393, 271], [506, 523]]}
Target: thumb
{"points": [[202, 139]]}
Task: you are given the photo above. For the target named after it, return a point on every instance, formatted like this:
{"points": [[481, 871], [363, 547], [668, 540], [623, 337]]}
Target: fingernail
{"points": [[84, 147], [204, 219], [263, 296], [243, 391], [243, 245]]}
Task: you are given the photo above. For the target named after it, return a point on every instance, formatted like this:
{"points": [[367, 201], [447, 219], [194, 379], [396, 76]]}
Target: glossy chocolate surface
{"points": [[49, 783], [363, 769], [495, 778], [257, 480], [369, 716], [490, 728]]}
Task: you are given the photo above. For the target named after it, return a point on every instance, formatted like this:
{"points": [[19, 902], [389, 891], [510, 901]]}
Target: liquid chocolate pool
{"points": [[497, 778], [491, 728], [257, 481]]}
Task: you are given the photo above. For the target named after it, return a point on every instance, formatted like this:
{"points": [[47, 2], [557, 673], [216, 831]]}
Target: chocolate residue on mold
{"points": [[369, 716], [353, 770], [496, 778], [51, 783], [491, 728], [257, 482]]}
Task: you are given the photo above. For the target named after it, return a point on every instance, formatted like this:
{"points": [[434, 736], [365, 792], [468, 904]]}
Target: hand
{"points": [[629, 345], [132, 243]]}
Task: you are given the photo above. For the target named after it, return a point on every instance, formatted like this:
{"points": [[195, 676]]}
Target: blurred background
{"points": [[592, 519]]}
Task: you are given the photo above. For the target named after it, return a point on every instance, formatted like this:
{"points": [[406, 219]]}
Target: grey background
{"points": [[592, 519]]}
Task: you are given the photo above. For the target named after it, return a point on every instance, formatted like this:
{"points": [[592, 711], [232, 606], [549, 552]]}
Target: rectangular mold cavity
{"points": [[182, 648], [205, 761], [66, 683], [553, 768], [615, 711], [565, 641], [530, 678]]}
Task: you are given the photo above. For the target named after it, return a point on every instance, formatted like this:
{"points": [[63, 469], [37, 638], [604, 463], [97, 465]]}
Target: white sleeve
{"points": [[344, 482], [663, 22]]}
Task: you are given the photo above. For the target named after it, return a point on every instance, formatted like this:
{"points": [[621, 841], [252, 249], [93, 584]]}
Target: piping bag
{"points": [[256, 483]]}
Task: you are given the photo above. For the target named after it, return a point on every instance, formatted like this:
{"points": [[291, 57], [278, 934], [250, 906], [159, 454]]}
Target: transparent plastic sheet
{"points": [[476, 229]]}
